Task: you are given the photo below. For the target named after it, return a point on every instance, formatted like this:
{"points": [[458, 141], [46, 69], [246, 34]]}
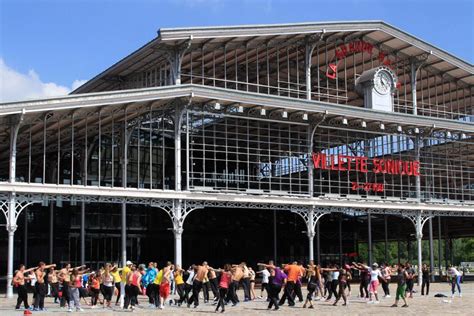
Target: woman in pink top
{"points": [[133, 287], [226, 278]]}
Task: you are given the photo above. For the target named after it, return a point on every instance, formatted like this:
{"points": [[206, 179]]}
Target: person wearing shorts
{"points": [[165, 284], [401, 286], [375, 274]]}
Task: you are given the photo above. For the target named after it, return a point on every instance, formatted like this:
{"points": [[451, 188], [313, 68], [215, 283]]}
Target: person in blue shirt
{"points": [[147, 282]]}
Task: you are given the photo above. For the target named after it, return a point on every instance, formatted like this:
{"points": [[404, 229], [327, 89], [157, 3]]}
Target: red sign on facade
{"points": [[361, 164]]}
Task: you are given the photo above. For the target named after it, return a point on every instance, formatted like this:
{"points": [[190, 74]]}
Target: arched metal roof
{"points": [[379, 33]]}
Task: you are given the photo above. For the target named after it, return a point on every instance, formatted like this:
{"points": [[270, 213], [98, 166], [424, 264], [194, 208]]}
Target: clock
{"points": [[377, 86], [383, 82]]}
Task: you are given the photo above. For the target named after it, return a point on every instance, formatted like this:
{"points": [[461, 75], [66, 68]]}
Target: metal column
{"points": [[177, 205], [11, 227], [274, 237], [310, 233], [440, 258], [11, 218], [178, 233], [25, 240], [177, 146], [51, 231], [413, 86], [318, 244], [419, 236], [369, 238], [308, 54], [340, 240], [431, 248], [386, 238], [125, 138], [83, 232]]}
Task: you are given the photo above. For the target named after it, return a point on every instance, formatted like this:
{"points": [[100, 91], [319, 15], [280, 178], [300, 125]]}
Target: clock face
{"points": [[383, 82]]}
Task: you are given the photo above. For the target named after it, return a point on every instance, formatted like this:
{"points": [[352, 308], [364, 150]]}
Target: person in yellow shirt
{"points": [[115, 272], [178, 279], [123, 272], [156, 292], [126, 270]]}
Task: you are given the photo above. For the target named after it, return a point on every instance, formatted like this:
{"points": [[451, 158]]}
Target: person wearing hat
{"points": [[126, 270], [375, 274]]}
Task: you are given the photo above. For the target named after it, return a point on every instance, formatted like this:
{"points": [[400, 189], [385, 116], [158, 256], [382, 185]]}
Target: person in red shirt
{"points": [[224, 283]]}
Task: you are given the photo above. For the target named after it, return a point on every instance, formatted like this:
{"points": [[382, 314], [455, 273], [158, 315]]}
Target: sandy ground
{"points": [[418, 305]]}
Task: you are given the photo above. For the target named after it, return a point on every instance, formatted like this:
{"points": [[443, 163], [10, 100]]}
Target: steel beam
{"points": [[214, 93]]}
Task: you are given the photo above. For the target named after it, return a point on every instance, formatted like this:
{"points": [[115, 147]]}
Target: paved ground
{"points": [[419, 305]]}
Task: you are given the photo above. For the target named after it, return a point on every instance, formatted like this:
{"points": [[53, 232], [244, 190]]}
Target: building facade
{"points": [[316, 119]]}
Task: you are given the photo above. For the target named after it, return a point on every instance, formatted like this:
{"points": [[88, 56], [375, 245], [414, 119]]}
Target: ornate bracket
{"points": [[418, 220], [311, 217], [178, 211], [174, 55], [19, 206]]}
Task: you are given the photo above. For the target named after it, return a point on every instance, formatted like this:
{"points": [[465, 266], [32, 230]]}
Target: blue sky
{"points": [[59, 42]]}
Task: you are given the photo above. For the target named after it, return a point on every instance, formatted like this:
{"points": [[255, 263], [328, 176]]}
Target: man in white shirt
{"points": [[265, 279]]}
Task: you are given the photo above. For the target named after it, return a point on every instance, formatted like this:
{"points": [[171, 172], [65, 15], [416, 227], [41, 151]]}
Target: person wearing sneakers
{"points": [[252, 283], [165, 284], [264, 286], [375, 274], [133, 288], [40, 286], [19, 283], [74, 286], [401, 286], [455, 276]]}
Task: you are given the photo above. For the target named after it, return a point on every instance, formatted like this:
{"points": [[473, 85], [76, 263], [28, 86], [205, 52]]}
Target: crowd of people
{"points": [[69, 286]]}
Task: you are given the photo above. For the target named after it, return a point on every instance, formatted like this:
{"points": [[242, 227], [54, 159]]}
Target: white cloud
{"points": [[77, 83], [15, 85]]}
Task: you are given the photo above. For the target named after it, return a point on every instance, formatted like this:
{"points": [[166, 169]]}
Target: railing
{"points": [[291, 90]]}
